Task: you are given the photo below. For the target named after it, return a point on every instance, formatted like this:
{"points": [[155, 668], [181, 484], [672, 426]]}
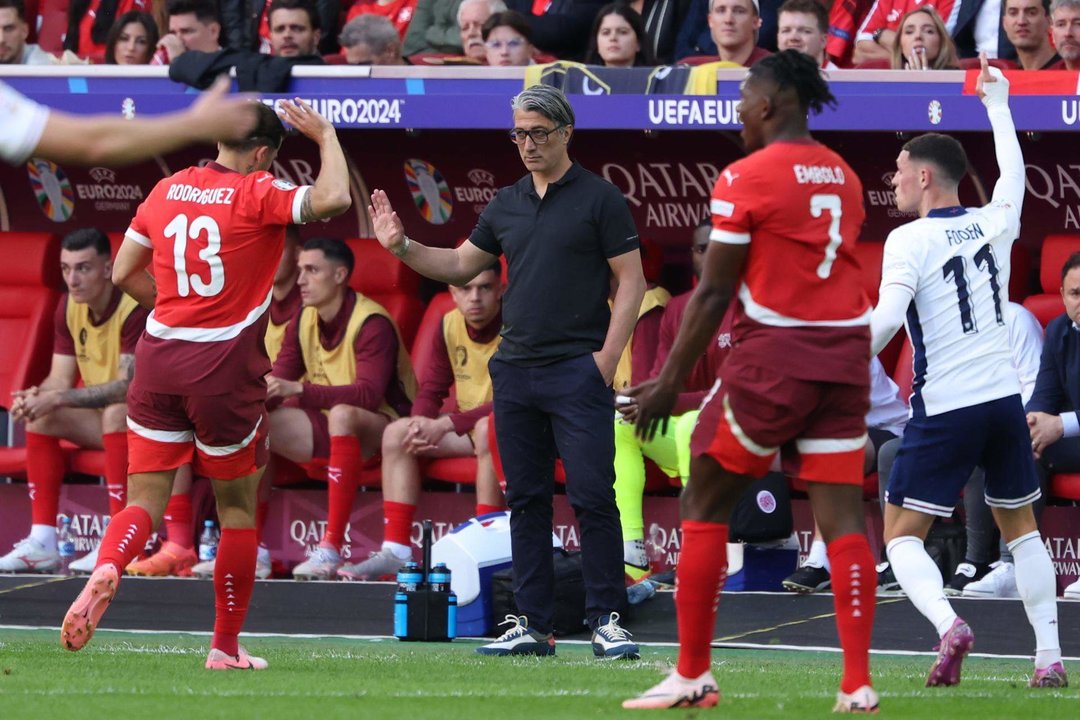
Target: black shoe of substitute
{"points": [[807, 579], [966, 573]]}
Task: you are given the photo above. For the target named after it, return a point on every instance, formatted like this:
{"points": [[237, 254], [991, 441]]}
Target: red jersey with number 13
{"points": [[217, 237], [802, 305]]}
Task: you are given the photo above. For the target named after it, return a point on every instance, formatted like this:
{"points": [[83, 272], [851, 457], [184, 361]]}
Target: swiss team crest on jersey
{"points": [[429, 191], [51, 188], [284, 185]]}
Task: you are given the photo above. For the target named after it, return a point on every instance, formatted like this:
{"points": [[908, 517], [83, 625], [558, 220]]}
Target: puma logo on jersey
{"points": [[729, 176]]}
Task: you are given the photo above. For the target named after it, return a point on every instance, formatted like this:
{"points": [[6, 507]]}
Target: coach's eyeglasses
{"points": [[538, 135]]}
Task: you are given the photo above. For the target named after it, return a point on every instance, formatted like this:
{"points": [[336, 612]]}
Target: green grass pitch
{"points": [[160, 676]]}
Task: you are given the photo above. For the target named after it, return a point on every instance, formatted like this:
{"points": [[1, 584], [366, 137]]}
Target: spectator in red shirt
{"points": [[877, 34], [734, 26], [923, 43], [398, 12], [89, 22]]}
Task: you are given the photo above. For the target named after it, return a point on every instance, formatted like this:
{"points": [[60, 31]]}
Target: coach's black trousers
{"points": [[564, 409]]}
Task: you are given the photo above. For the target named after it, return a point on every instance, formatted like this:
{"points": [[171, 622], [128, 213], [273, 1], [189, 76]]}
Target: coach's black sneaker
{"points": [[966, 573], [807, 579], [519, 640], [886, 579]]}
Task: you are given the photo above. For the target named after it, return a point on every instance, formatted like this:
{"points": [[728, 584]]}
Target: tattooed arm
{"points": [[99, 396]]}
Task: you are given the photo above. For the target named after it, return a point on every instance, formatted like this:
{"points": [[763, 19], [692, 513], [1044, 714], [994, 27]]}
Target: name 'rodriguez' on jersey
{"points": [[210, 228]]}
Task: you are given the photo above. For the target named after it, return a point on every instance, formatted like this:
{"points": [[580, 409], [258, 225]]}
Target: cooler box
{"points": [[757, 567], [474, 551]]}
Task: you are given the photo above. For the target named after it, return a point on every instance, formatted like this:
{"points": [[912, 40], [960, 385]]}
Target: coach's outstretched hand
{"points": [[387, 224]]}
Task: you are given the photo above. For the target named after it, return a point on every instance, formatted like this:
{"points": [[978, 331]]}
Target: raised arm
{"points": [[993, 89], [329, 196], [455, 266], [105, 140]]}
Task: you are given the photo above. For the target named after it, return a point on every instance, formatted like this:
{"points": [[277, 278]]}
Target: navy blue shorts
{"points": [[938, 454]]}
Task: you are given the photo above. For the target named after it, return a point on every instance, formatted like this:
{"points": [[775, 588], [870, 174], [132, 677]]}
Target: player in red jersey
{"points": [[785, 221], [215, 235]]}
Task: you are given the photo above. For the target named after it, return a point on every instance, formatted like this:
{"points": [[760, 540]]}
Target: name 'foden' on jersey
{"points": [[818, 174]]}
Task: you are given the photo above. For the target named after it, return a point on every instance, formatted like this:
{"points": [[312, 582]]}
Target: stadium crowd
{"points": [[875, 34]]}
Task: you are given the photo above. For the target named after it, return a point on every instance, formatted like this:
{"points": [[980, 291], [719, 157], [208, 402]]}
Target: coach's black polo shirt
{"points": [[555, 307]]}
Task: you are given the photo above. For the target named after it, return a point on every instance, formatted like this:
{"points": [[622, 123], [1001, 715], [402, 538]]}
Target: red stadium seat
{"points": [[974, 64], [335, 59], [903, 375], [457, 470], [1066, 486], [1056, 249], [1020, 262], [88, 462], [428, 331], [54, 24], [27, 302], [1045, 307], [389, 282]]}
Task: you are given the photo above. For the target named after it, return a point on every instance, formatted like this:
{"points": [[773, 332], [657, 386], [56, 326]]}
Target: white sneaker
{"points": [[675, 691], [998, 583], [86, 564], [863, 700], [263, 567], [322, 564], [30, 556], [1072, 592]]}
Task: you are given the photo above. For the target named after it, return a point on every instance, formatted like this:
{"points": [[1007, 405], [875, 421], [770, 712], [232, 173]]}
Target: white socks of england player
{"points": [[921, 580], [1036, 582]]}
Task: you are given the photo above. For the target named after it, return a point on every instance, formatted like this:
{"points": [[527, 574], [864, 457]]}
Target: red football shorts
{"points": [[224, 437], [755, 411]]}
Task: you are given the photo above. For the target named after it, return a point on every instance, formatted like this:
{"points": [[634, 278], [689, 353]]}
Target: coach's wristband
{"points": [[403, 248]]}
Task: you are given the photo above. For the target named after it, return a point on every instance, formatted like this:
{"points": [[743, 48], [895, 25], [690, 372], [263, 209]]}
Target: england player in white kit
{"points": [[27, 128], [946, 277]]}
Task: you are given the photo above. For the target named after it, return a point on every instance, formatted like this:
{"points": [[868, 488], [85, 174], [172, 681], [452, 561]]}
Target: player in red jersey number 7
{"points": [[214, 236], [785, 221]]}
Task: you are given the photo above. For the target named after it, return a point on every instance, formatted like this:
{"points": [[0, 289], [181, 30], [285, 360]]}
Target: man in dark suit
{"points": [[972, 23], [1052, 410]]}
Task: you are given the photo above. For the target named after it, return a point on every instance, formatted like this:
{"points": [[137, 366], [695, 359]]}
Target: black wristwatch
{"points": [[877, 35]]}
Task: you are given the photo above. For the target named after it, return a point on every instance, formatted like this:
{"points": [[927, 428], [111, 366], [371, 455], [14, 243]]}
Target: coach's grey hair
{"points": [[375, 31], [495, 6], [546, 100], [1056, 4]]}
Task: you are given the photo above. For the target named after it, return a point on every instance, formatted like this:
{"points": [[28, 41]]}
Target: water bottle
{"points": [[208, 542], [409, 578], [640, 592], [451, 616], [65, 542], [401, 614], [439, 578]]}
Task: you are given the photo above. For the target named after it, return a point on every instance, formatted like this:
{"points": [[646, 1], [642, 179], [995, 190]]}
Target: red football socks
{"points": [[116, 469], [482, 509], [179, 521], [234, 579], [125, 538], [854, 586], [398, 518], [343, 475], [45, 469], [699, 580]]}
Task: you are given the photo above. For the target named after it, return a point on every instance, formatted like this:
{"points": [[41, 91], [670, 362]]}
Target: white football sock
{"points": [[1036, 582], [921, 580], [401, 552], [818, 555], [44, 534]]}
